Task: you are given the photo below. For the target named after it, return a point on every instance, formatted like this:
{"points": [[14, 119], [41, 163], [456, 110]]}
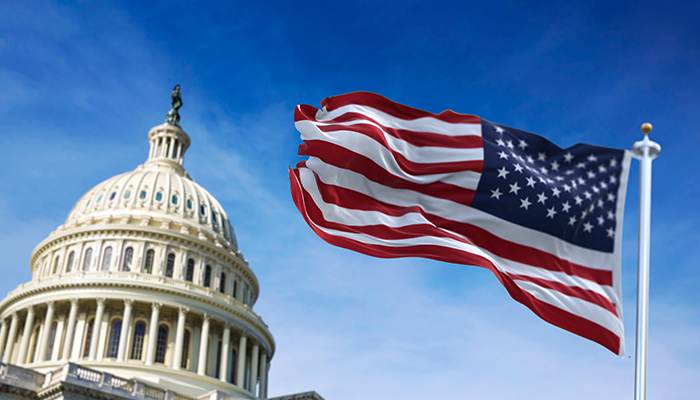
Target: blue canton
{"points": [[568, 193]]}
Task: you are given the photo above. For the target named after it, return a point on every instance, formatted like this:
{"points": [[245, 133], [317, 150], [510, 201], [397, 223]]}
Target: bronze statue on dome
{"points": [[173, 118]]}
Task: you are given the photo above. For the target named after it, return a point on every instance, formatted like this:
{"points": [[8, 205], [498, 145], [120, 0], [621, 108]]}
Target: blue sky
{"points": [[81, 84]]}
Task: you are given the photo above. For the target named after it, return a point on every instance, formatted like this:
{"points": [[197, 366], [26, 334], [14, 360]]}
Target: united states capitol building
{"points": [[141, 294]]}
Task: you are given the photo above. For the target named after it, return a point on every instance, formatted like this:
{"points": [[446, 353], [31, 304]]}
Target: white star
{"points": [[499, 129], [600, 203], [522, 144], [611, 197], [591, 208], [541, 198], [581, 165], [572, 220], [496, 193], [590, 174], [592, 158], [543, 170], [613, 162], [610, 215], [559, 178], [581, 181], [530, 159], [551, 212], [503, 155], [595, 188], [611, 232], [514, 188], [530, 182], [502, 172], [568, 172], [542, 156], [567, 187], [568, 157], [541, 179], [601, 168], [574, 184], [601, 221], [578, 200], [525, 203], [555, 192], [509, 144], [518, 168], [565, 207], [603, 185], [587, 227], [555, 166]]}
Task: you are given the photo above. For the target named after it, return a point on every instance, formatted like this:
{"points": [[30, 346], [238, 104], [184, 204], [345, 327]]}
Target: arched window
{"points": [[207, 276], [218, 360], [185, 350], [88, 338], [161, 344], [88, 258], [107, 259], [148, 266], [52, 338], [35, 345], [222, 283], [170, 266], [234, 365], [137, 342], [115, 332], [71, 258], [235, 288], [128, 258], [55, 265], [189, 273]]}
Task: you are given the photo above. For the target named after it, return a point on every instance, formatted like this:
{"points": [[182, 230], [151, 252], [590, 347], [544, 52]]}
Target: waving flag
{"points": [[388, 180]]}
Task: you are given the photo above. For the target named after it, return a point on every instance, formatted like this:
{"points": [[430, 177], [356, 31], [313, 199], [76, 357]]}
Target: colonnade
{"points": [[115, 330]]}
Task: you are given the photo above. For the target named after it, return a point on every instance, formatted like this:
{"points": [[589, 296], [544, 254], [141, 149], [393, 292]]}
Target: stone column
{"points": [[126, 320], [254, 368], [11, 339], [48, 321], [204, 346], [96, 326], [26, 335], [263, 375], [68, 343], [225, 350], [3, 336], [240, 368], [179, 338], [152, 333]]}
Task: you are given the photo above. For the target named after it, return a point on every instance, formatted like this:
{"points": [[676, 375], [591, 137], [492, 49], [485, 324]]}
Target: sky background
{"points": [[81, 84]]}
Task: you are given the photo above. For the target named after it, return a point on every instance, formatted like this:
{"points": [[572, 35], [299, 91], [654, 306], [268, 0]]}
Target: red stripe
{"points": [[479, 237], [571, 291], [558, 317], [343, 158], [394, 109], [416, 138]]}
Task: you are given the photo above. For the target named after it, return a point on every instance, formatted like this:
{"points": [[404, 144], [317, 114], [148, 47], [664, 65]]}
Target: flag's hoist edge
{"points": [[374, 184]]}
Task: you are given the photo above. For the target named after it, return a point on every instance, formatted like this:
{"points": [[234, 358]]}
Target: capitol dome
{"points": [[144, 281]]}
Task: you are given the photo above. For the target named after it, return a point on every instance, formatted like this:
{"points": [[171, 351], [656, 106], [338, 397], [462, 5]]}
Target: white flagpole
{"points": [[645, 151]]}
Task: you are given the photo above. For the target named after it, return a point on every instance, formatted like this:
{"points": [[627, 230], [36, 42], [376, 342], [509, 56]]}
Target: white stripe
{"points": [[574, 305], [421, 154], [460, 213], [425, 124]]}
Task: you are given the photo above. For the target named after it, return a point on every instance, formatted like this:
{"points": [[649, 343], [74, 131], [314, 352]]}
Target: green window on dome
{"points": [[99, 199], [142, 195], [159, 196], [189, 204], [175, 199], [127, 194]]}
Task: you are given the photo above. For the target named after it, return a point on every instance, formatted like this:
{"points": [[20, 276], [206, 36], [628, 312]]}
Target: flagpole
{"points": [[645, 151]]}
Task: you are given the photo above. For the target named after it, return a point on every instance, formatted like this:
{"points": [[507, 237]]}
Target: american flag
{"points": [[388, 180]]}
